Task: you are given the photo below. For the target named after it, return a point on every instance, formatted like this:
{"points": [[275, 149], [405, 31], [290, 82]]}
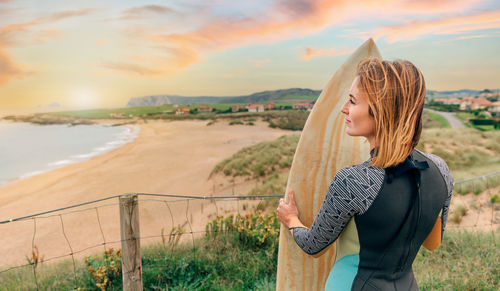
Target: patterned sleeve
{"points": [[445, 172], [351, 192]]}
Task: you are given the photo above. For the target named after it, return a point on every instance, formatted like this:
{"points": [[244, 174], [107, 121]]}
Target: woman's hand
{"points": [[288, 213]]}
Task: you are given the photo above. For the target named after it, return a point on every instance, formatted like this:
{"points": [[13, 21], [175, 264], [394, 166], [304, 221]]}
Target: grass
{"points": [[463, 116], [143, 111], [260, 160], [467, 152], [282, 117], [484, 127], [434, 120], [459, 212], [465, 261], [240, 254]]}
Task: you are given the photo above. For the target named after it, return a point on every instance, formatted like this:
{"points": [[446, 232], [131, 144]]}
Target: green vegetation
{"points": [[292, 120], [467, 152], [465, 261], [433, 120], [442, 107], [463, 116], [237, 253], [459, 212], [283, 119], [240, 253], [146, 111], [260, 160]]}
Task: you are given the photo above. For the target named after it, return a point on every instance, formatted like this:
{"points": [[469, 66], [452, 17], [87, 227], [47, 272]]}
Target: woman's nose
{"points": [[345, 108]]}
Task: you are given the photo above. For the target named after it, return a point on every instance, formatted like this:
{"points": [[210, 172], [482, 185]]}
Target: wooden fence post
{"points": [[131, 244]]}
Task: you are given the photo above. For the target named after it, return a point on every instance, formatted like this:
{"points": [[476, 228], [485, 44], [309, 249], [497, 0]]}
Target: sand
{"points": [[166, 157]]}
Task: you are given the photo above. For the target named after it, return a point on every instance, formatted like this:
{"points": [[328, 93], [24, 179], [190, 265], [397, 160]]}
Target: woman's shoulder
{"points": [[359, 174], [361, 170], [438, 161], [356, 187], [441, 165]]}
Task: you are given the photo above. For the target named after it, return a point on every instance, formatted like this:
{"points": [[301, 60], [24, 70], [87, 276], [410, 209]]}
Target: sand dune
{"points": [[166, 157]]}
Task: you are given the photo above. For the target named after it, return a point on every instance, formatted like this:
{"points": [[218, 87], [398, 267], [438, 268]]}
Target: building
{"points": [[495, 108], [204, 108], [452, 101], [471, 103], [236, 108], [181, 111], [493, 95], [117, 115], [256, 108], [305, 105], [269, 106]]}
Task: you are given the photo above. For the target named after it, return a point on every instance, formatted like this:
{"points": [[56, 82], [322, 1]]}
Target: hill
{"points": [[266, 96], [284, 94]]}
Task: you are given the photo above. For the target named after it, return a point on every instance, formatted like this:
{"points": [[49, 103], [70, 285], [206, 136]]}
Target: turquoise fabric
{"points": [[343, 273]]}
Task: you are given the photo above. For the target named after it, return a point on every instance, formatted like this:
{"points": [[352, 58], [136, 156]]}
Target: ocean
{"points": [[27, 149]]}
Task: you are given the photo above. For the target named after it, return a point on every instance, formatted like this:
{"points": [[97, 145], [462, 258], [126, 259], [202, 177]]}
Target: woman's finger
{"points": [[291, 197]]}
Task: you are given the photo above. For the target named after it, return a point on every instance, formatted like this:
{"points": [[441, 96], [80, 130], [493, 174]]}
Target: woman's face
{"points": [[358, 120]]}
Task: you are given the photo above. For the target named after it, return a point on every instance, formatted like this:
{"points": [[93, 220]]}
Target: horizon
{"points": [[97, 55], [48, 109]]}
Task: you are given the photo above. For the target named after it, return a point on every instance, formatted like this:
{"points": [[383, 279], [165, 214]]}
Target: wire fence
{"points": [[70, 234]]}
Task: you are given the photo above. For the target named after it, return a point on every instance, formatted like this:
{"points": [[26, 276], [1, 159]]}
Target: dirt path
{"points": [[450, 117]]}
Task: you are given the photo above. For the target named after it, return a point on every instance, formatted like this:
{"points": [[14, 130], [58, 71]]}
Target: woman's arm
{"points": [[433, 240], [288, 213]]}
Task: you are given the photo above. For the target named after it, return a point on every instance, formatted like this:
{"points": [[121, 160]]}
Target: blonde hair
{"points": [[396, 94]]}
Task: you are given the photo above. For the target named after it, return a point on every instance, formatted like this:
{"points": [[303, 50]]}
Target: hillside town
{"points": [[249, 107], [487, 102]]}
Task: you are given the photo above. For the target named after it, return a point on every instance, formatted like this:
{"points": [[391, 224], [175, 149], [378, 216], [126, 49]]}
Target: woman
{"points": [[383, 210]]}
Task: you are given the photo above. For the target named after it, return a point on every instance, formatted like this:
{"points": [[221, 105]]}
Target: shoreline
{"points": [[122, 139], [174, 157]]}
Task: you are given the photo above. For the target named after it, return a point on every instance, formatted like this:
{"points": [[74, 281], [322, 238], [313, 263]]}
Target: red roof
{"points": [[482, 101], [255, 106]]}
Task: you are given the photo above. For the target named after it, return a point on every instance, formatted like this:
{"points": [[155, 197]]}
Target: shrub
{"points": [[105, 271], [252, 230], [459, 212]]}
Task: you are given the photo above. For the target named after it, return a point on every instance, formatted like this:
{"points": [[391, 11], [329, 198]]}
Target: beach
{"points": [[165, 158]]}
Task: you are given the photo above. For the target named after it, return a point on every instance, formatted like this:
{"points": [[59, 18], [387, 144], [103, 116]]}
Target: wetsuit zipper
{"points": [[404, 260]]}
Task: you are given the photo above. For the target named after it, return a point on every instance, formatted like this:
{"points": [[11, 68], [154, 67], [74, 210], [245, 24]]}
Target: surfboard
{"points": [[323, 149]]}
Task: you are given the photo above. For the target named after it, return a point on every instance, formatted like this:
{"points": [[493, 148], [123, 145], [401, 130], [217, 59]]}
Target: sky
{"points": [[60, 55]]}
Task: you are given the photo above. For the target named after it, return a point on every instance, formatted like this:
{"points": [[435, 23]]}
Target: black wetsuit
{"points": [[393, 211]]}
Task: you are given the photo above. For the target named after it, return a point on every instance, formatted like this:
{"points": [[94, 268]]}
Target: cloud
{"points": [[131, 69], [401, 9], [433, 6], [25, 33], [312, 52], [49, 34], [9, 69], [145, 11], [18, 33], [472, 36], [282, 20], [415, 29]]}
